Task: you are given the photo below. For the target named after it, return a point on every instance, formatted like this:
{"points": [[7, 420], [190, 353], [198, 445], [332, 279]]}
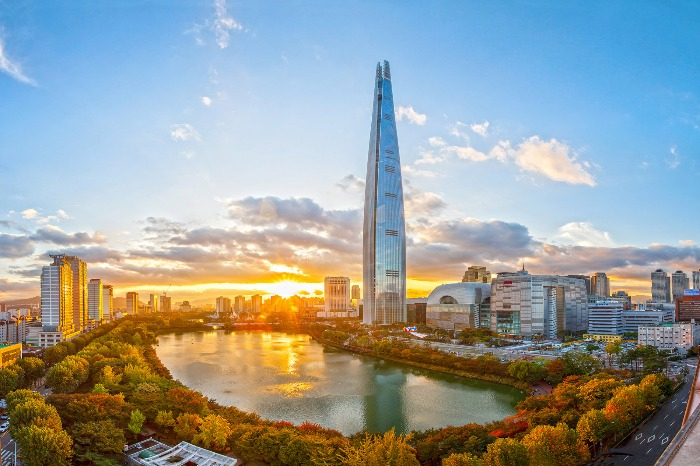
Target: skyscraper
{"points": [[696, 279], [153, 302], [80, 292], [132, 303], [384, 232], [57, 296], [600, 285], [336, 296], [96, 301], [107, 302], [679, 283], [660, 287]]}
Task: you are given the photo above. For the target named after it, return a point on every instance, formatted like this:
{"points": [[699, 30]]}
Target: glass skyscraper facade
{"points": [[384, 233]]}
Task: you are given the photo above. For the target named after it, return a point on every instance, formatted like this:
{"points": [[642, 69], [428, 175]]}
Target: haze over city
{"points": [[222, 147]]}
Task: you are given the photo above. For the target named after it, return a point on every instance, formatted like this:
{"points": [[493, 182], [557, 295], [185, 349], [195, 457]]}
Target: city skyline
{"points": [[190, 150]]}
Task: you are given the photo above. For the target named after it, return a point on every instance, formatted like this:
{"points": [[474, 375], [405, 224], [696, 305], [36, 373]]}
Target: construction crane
{"points": [[165, 293]]}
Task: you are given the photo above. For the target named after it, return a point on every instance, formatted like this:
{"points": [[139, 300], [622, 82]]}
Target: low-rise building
{"points": [[688, 307], [673, 337], [632, 320], [10, 353]]}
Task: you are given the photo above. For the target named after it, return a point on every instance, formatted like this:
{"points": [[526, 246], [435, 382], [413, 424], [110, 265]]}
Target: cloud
{"points": [[412, 171], [11, 68], [584, 234], [673, 160], [15, 246], [62, 214], [411, 115], [421, 203], [29, 213], [184, 132], [206, 101], [223, 23], [481, 129], [687, 242], [351, 182], [436, 141], [54, 235], [188, 154], [552, 159], [458, 130]]}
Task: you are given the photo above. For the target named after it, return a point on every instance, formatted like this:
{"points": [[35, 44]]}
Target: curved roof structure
{"points": [[460, 292]]}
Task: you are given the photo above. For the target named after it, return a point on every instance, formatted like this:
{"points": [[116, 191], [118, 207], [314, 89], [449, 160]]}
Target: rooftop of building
{"points": [[153, 452]]}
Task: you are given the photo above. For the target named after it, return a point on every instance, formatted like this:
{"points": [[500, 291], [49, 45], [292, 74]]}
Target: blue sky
{"points": [[221, 146]]}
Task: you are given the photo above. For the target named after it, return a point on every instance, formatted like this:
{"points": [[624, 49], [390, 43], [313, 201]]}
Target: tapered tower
{"points": [[384, 233]]}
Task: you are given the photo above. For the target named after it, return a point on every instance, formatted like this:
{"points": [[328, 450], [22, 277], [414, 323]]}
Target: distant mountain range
{"points": [[35, 301]]}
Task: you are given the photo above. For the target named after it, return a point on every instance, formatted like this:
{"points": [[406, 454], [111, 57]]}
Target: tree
{"points": [[165, 419], [462, 459], [381, 450], [186, 426], [99, 389], [27, 413], [33, 369], [97, 436], [594, 427], [577, 363], [551, 446], [213, 431], [43, 445], [505, 452], [626, 408], [55, 354], [614, 348], [136, 421], [11, 378], [20, 396], [526, 371], [68, 375]]}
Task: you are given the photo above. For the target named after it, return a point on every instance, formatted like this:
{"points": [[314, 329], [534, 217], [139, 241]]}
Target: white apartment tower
{"points": [[223, 305], [96, 301], [336, 296], [57, 296], [660, 287]]}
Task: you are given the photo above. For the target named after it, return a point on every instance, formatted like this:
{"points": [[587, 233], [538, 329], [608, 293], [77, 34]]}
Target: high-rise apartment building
{"points": [[600, 285], [256, 303], [165, 304], [696, 279], [239, 304], [660, 287], [132, 303], [679, 283], [95, 301], [384, 231], [336, 296], [526, 305], [107, 302], [57, 296], [355, 292], [476, 274], [80, 292], [223, 305], [153, 302]]}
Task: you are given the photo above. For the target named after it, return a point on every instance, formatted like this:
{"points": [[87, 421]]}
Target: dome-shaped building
{"points": [[455, 306]]}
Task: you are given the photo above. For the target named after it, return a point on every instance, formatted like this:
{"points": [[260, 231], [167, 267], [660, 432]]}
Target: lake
{"points": [[291, 377]]}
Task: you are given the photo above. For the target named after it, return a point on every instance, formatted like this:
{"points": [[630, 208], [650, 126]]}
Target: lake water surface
{"points": [[293, 378]]}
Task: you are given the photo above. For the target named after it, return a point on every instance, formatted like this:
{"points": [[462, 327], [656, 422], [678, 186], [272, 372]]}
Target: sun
{"points": [[285, 288]]}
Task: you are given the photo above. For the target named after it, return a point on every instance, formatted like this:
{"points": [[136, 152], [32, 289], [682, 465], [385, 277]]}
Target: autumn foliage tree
{"points": [[554, 445]]}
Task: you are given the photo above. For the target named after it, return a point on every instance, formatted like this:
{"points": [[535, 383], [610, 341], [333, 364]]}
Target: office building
{"points": [[165, 304], [80, 292], [57, 316], [336, 298], [95, 301], [107, 302], [384, 232], [604, 318], [633, 319], [477, 274], [355, 292], [527, 305], [223, 305], [415, 310], [600, 285], [455, 306], [586, 279], [678, 337], [660, 287], [696, 279], [239, 304], [688, 307], [256, 303], [679, 283], [132, 303], [623, 298], [153, 302]]}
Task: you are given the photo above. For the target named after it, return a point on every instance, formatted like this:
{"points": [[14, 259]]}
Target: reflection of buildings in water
{"points": [[385, 407]]}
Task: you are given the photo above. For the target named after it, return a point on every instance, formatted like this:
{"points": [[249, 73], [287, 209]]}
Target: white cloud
{"points": [[223, 24], [184, 132], [481, 129], [687, 242], [411, 115], [436, 141], [674, 159], [29, 213], [466, 153], [412, 171], [552, 159], [584, 234], [62, 214], [458, 130], [206, 101], [188, 154], [11, 68]]}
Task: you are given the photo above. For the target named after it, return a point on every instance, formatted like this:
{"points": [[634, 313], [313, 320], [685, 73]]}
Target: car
{"points": [[4, 417]]}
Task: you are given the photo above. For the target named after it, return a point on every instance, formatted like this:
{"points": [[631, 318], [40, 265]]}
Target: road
{"points": [[646, 444]]}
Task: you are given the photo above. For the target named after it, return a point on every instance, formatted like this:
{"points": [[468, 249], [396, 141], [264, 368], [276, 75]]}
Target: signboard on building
{"points": [[691, 292]]}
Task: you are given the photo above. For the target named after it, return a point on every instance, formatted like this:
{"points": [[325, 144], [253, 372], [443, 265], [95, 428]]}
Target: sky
{"points": [[219, 147]]}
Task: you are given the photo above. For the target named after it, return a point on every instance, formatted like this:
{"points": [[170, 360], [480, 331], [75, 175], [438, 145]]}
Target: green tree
{"points": [[165, 419], [99, 389], [505, 452], [213, 431], [20, 396], [68, 375], [553, 446], [33, 369], [577, 363], [527, 371], [136, 420], [462, 459], [97, 436], [613, 349], [186, 426], [381, 450], [11, 378], [44, 445], [27, 413], [594, 427], [55, 354]]}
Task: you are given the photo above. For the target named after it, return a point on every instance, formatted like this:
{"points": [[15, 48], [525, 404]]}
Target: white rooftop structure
{"points": [[151, 452]]}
